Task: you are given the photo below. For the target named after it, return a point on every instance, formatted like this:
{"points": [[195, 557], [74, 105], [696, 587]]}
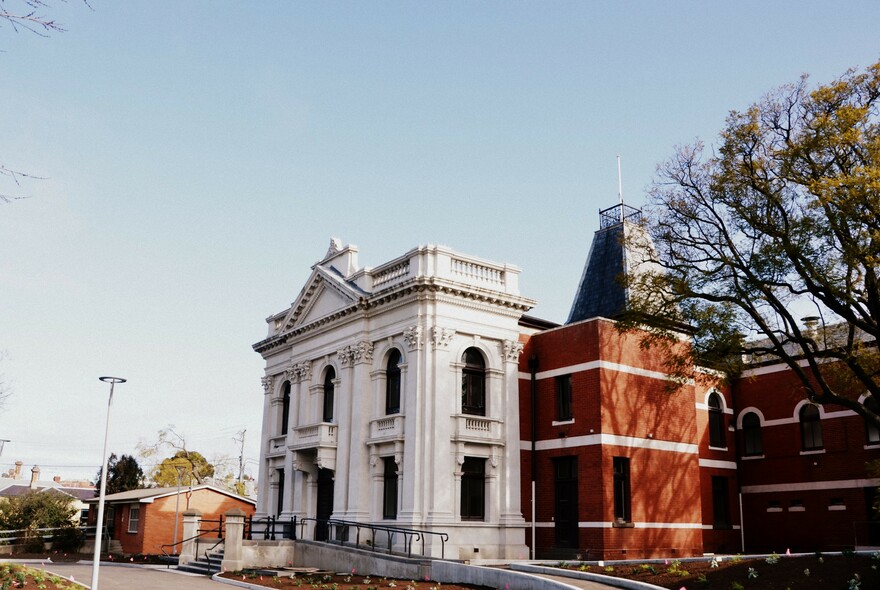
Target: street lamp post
{"points": [[99, 524]]}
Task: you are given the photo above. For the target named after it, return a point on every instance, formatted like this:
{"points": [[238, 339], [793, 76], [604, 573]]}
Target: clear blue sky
{"points": [[198, 156]]}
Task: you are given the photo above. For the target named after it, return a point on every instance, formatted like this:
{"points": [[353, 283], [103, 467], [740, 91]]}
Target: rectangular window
{"points": [[389, 490], [134, 515], [622, 502], [720, 503], [473, 489], [563, 398]]}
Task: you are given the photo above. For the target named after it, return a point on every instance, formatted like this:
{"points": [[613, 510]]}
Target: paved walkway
{"points": [[128, 577], [123, 577]]}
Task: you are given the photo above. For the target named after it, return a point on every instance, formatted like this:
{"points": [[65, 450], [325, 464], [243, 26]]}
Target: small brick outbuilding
{"points": [[143, 520]]}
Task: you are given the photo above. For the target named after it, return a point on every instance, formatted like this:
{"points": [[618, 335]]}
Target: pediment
{"points": [[325, 293]]}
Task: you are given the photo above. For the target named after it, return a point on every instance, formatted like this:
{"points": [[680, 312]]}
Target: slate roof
{"points": [[601, 292]]}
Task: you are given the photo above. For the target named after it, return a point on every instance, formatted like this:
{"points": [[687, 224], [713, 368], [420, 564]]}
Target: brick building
{"points": [[143, 520], [451, 410]]}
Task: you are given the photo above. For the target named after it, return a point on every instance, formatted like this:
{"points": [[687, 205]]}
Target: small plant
{"points": [[713, 563], [807, 572], [608, 569], [736, 586], [753, 573], [773, 558], [855, 583], [736, 558], [703, 581], [848, 553], [584, 568]]}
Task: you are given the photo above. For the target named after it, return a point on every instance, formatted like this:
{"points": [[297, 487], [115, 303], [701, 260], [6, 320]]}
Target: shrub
{"points": [[68, 540]]}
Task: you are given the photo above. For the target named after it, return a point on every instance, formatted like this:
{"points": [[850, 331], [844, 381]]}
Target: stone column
{"points": [[233, 556], [192, 521]]}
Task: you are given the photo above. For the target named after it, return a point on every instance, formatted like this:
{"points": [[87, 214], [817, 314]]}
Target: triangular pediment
{"points": [[325, 293]]}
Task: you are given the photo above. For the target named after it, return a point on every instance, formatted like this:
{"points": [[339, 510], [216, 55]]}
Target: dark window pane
{"points": [[751, 426], [285, 408], [811, 428], [473, 383], [563, 398], [392, 383], [717, 436], [621, 490], [389, 499], [720, 503], [473, 489], [329, 392]]}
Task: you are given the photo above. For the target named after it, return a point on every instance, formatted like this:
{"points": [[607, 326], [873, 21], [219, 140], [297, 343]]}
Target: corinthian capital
{"points": [[512, 350], [413, 337], [441, 337], [267, 384]]}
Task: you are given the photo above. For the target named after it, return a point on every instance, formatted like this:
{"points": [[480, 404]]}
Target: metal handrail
{"points": [[409, 535], [202, 532]]}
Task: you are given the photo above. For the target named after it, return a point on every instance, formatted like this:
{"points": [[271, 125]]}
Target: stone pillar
{"points": [[192, 521], [233, 556]]}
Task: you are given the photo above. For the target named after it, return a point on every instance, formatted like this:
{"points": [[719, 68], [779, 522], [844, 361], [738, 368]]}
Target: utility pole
{"points": [[240, 454]]}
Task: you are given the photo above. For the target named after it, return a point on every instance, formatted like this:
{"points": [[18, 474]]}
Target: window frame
{"points": [[564, 412], [285, 408], [717, 436], [133, 523], [872, 433], [473, 382], [810, 420], [473, 489], [622, 490], [329, 395], [393, 382], [753, 438], [390, 483], [720, 503]]}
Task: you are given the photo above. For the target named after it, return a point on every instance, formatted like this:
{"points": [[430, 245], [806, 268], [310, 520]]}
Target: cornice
{"points": [[499, 303]]}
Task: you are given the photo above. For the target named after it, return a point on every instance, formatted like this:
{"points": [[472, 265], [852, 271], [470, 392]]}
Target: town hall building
{"points": [[420, 394]]}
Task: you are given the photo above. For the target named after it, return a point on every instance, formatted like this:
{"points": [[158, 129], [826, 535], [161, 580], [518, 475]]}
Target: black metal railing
{"points": [[203, 531], [339, 531], [271, 528]]}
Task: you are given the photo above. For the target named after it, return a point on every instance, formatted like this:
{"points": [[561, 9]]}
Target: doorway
{"points": [[566, 502], [325, 504]]}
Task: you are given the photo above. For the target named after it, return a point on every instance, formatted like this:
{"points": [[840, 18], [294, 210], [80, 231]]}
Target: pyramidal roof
{"points": [[601, 292]]}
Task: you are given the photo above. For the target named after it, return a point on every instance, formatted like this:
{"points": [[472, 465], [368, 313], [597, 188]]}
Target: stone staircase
{"points": [[207, 566]]}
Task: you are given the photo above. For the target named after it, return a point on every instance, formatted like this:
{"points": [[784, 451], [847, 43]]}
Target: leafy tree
{"points": [[190, 466], [123, 474], [39, 509], [770, 247]]}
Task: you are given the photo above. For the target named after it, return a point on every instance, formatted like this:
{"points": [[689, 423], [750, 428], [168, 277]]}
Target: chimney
{"points": [[18, 465], [57, 479], [35, 476]]}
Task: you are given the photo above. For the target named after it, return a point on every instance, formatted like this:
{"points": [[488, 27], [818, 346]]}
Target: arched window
{"points": [[392, 383], [329, 389], [473, 383], [751, 429], [285, 407], [811, 428], [872, 433], [716, 422]]}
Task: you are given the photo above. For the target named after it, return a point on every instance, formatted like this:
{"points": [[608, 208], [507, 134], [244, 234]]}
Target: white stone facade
{"points": [[453, 459]]}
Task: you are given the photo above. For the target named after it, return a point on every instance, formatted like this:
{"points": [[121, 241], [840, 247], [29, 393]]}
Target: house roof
{"points": [[149, 495], [19, 489]]}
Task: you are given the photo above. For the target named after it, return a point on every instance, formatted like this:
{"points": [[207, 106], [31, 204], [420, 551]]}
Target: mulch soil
{"points": [[828, 572], [310, 578]]}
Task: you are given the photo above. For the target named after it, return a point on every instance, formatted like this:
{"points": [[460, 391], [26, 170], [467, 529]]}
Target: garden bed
{"points": [[801, 572]]}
